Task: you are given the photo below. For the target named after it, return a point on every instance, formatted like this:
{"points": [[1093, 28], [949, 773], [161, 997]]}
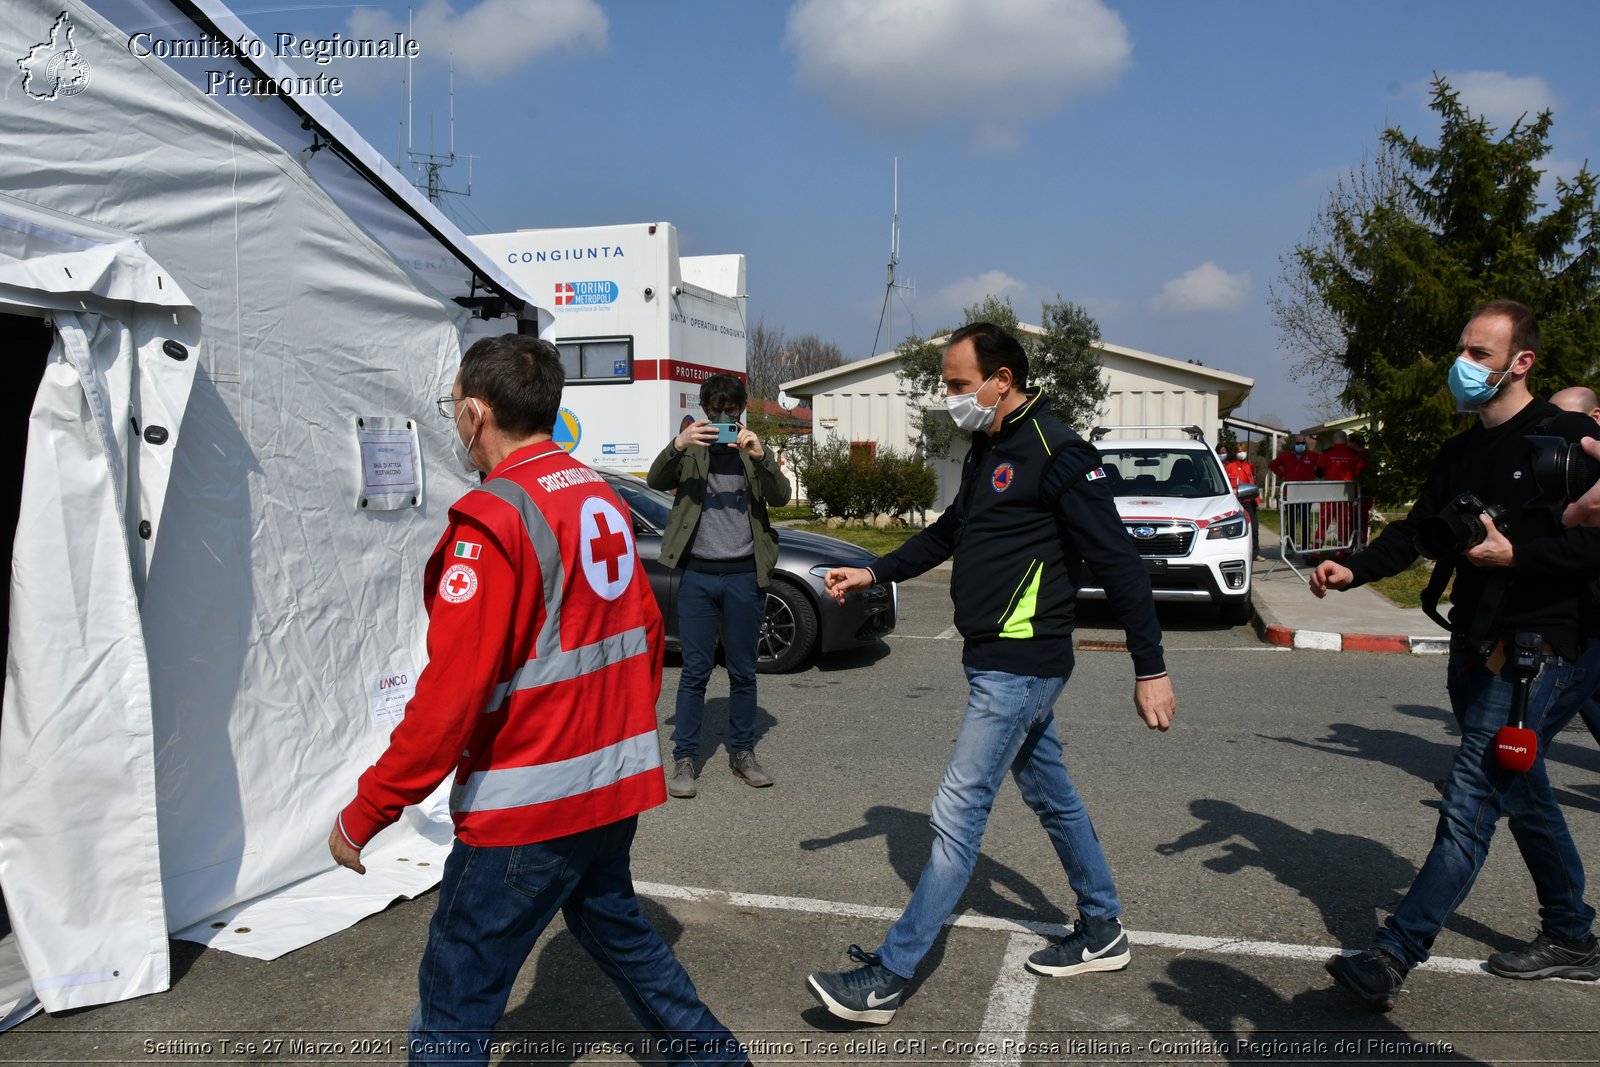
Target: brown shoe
{"points": [[745, 766], [680, 783]]}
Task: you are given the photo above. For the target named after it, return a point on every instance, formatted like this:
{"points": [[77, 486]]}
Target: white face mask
{"points": [[967, 413], [464, 451], [1239, 455]]}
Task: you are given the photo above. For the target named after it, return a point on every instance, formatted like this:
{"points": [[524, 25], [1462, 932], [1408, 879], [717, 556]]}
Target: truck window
{"points": [[597, 360]]}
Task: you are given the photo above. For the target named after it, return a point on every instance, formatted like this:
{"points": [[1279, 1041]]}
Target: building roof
{"points": [[1231, 388]]}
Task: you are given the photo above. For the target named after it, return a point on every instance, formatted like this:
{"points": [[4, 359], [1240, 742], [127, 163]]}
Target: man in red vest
{"points": [[1342, 462], [1241, 471], [1297, 463], [544, 665]]}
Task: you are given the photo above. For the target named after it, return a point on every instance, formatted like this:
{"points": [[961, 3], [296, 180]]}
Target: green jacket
{"points": [[686, 473]]}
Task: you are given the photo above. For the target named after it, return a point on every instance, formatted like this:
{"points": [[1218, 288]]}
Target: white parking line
{"points": [[1221, 946], [943, 635], [1010, 1003]]}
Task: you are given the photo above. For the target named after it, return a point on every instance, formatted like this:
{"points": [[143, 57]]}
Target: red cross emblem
{"points": [[608, 547], [458, 584], [608, 551]]}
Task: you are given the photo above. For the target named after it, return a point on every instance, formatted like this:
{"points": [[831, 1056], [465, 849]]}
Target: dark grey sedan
{"points": [[801, 620]]}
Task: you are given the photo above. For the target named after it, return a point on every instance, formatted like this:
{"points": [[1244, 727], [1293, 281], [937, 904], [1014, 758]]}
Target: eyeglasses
{"points": [[447, 406]]}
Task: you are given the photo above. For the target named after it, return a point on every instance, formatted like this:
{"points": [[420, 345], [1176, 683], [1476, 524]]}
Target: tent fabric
{"points": [[401, 219], [76, 636], [203, 620]]}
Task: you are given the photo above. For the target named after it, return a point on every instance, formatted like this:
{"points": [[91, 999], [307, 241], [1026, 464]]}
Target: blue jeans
{"points": [[1480, 790], [494, 903], [706, 602], [1009, 723]]}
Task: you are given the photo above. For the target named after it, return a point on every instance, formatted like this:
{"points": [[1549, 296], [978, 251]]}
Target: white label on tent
{"points": [[391, 463], [388, 694]]}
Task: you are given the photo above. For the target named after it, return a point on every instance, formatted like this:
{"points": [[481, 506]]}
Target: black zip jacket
{"points": [[1551, 563], [1032, 508]]}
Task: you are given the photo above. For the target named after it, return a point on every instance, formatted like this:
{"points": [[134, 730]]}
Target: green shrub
{"points": [[845, 483]]}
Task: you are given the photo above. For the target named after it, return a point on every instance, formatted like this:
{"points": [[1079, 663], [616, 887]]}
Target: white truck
{"points": [[639, 328]]}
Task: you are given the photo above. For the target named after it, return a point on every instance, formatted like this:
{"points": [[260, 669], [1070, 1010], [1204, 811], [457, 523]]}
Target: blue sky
{"points": [[1151, 161]]}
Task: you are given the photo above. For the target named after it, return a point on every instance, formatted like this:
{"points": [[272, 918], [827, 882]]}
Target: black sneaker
{"points": [[1549, 956], [1372, 975], [868, 994], [1103, 948]]}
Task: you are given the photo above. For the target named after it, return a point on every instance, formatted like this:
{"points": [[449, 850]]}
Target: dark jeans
{"points": [[1480, 790], [733, 603], [494, 903]]}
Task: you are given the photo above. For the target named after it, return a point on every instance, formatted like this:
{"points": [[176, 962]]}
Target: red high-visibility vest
{"points": [[544, 665]]}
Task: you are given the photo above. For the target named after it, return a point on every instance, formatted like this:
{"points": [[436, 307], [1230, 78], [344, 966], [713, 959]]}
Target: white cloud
{"points": [[487, 39], [1496, 95], [901, 65], [1205, 288], [945, 306]]}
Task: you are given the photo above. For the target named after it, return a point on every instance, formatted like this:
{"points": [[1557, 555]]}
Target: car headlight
{"points": [[1237, 526]]}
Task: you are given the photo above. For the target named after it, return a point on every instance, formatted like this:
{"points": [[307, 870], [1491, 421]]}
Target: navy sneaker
{"points": [[868, 994], [1372, 975], [1100, 946], [1549, 956]]}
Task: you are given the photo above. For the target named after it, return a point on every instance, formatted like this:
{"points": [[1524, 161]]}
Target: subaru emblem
{"points": [[1143, 532]]}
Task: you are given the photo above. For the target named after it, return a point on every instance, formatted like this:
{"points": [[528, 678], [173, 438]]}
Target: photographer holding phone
{"points": [[1516, 622], [719, 536]]}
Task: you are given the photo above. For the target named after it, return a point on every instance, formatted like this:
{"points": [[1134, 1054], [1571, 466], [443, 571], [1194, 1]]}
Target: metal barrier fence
{"points": [[1319, 520]]}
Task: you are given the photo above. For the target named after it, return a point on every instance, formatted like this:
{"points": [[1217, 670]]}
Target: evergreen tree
{"points": [[1375, 299]]}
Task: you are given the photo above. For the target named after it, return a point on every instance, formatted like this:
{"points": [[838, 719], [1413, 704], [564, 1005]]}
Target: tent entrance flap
{"points": [[77, 760]]}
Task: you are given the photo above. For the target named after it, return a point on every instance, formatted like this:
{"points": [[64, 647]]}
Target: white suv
{"points": [[1189, 527]]}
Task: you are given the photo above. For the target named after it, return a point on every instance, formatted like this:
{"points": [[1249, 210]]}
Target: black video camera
{"points": [[1562, 472], [1456, 528]]}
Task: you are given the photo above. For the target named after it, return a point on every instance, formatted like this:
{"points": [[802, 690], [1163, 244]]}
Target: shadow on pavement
{"points": [[1372, 878], [994, 889], [1244, 1016]]}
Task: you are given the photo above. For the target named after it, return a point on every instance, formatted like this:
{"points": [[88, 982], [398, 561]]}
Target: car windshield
{"points": [[1155, 471], [650, 505]]}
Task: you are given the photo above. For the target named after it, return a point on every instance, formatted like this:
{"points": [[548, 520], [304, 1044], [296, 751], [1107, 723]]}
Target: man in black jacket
{"points": [[1526, 576], [1032, 508]]}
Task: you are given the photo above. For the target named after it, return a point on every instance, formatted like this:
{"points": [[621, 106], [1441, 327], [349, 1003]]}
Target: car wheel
{"points": [[1237, 612], [788, 630]]}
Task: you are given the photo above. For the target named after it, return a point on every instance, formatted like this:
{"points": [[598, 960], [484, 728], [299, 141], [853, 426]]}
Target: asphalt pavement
{"points": [[1278, 821]]}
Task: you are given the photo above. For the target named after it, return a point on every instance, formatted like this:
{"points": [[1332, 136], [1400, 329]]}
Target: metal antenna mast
{"points": [[431, 163], [894, 264]]}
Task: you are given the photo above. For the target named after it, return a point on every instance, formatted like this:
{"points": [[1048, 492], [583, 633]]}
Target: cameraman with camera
{"points": [[1517, 641]]}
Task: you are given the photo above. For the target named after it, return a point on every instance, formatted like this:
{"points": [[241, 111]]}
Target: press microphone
{"points": [[1516, 746]]}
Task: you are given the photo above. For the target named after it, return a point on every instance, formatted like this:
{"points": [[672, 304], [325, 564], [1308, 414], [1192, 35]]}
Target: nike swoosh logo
{"points": [[874, 1002], [1087, 955]]}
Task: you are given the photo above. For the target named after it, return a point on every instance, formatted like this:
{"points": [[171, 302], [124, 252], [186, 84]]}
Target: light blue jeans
{"points": [[1009, 724]]}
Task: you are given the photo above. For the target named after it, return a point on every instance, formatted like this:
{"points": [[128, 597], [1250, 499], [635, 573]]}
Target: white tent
{"points": [[215, 613]]}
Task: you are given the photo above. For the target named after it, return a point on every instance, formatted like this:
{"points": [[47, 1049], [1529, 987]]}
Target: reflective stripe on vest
{"points": [[516, 787]]}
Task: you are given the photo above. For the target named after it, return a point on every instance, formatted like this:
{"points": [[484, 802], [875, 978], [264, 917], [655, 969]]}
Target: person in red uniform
{"points": [[1297, 463], [544, 666], [1341, 462], [1241, 471]]}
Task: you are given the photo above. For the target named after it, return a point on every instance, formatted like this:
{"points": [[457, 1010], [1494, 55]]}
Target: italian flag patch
{"points": [[467, 550]]}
